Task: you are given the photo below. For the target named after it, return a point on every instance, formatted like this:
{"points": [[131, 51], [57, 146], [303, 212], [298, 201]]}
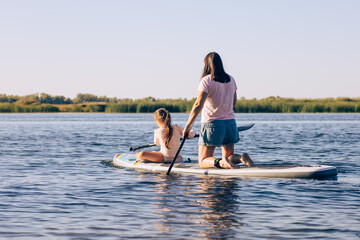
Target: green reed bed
{"points": [[31, 108], [290, 105], [91, 103]]}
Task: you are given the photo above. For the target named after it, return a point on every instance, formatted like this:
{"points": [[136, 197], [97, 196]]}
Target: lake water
{"points": [[56, 181]]}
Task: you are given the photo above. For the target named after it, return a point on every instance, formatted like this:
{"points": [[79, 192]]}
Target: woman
{"points": [[216, 98]]}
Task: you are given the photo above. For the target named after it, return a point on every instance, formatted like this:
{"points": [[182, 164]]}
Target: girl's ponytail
{"points": [[168, 129], [163, 116]]}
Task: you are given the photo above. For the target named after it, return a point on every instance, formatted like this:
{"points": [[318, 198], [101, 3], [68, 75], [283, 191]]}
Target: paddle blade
{"points": [[245, 127]]}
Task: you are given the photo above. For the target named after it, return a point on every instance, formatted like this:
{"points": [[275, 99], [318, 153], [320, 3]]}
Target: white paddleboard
{"points": [[127, 160]]}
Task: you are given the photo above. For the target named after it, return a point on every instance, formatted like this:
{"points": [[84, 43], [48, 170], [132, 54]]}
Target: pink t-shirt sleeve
{"points": [[204, 84]]}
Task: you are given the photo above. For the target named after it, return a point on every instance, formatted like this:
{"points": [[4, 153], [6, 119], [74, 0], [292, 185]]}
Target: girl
{"points": [[167, 136]]}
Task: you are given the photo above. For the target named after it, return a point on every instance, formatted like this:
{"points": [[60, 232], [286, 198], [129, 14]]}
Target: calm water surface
{"points": [[56, 183]]}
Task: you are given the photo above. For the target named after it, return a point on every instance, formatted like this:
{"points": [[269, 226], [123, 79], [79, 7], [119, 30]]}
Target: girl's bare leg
{"points": [[150, 156]]}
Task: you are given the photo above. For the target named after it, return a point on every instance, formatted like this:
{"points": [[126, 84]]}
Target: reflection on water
{"points": [[221, 203], [207, 206]]}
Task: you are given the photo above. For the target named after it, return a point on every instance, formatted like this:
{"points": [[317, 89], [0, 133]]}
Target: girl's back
{"points": [[174, 144]]}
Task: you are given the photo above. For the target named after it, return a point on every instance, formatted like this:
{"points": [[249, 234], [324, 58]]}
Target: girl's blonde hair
{"points": [[162, 115]]}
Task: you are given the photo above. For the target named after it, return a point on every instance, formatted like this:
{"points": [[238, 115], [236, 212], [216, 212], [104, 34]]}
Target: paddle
{"points": [[133, 149], [241, 128], [176, 155]]}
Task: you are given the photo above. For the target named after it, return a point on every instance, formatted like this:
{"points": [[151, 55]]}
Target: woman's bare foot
{"points": [[235, 158], [247, 160], [226, 163]]}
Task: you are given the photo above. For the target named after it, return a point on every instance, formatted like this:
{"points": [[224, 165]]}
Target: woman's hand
{"points": [[186, 131]]}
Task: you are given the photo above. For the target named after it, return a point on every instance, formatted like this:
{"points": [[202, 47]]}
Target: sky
{"points": [[136, 49]]}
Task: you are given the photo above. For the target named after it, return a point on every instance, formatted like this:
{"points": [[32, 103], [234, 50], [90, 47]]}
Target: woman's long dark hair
{"points": [[164, 117], [214, 67]]}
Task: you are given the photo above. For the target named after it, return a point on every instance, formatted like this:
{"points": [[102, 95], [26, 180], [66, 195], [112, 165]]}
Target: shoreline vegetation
{"points": [[42, 102]]}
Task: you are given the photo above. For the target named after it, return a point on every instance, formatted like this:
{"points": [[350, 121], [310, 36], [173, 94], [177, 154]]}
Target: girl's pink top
{"points": [[220, 99], [174, 144]]}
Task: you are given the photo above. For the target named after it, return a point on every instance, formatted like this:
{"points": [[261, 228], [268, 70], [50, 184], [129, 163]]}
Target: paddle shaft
{"points": [[241, 128], [133, 149], [176, 155]]}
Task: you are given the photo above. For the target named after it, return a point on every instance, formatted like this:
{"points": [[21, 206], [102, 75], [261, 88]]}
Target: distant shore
{"points": [[36, 103]]}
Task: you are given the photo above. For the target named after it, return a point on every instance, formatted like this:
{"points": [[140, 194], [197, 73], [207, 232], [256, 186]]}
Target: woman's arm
{"points": [[196, 109], [235, 99]]}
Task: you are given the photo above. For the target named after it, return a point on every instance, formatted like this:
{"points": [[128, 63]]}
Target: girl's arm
{"points": [[156, 138], [191, 133], [196, 109]]}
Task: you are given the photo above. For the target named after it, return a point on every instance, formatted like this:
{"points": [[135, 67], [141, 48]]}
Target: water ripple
{"points": [[56, 181]]}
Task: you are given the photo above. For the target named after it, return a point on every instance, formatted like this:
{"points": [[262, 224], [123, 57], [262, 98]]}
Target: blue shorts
{"points": [[219, 133]]}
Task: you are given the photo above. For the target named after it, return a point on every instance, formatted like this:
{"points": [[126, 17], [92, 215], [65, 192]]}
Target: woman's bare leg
{"points": [[206, 158], [150, 156], [227, 153], [244, 158]]}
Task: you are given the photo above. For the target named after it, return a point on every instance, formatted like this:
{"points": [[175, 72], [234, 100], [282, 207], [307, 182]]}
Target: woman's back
{"points": [[220, 99]]}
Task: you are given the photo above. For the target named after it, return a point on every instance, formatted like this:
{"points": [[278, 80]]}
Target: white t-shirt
{"points": [[174, 144], [220, 99]]}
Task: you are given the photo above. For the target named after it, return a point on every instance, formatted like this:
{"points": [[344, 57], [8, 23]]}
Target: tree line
{"points": [[91, 103], [43, 98]]}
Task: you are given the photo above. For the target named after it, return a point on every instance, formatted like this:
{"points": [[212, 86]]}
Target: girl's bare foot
{"points": [[247, 160], [226, 163]]}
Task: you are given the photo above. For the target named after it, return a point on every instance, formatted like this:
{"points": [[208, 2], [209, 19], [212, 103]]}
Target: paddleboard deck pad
{"points": [[128, 160]]}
